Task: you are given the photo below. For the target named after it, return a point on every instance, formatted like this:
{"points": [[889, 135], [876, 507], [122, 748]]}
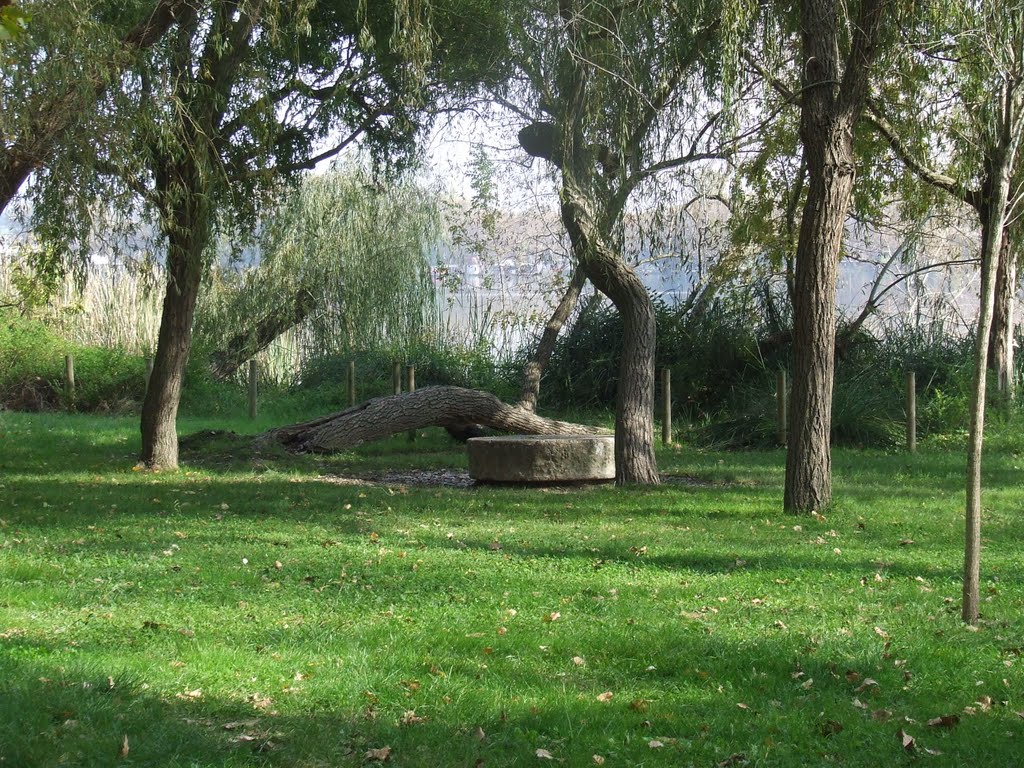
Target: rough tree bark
{"points": [[834, 95], [1000, 360], [546, 346], [430, 406], [187, 228], [634, 396], [589, 232]]}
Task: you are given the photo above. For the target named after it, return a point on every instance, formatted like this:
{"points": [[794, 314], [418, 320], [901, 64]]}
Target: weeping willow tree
{"points": [[58, 65], [343, 259], [616, 95]]}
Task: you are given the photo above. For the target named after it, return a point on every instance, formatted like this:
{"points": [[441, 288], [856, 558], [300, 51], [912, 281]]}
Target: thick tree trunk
{"points": [[187, 226], [160, 408], [833, 96], [430, 406], [634, 396], [809, 458], [246, 345], [1000, 360], [546, 346]]}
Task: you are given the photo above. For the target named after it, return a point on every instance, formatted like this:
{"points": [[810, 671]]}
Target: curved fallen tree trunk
{"points": [[427, 407]]}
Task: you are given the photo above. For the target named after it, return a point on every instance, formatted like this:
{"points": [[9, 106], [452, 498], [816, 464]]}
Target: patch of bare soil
{"points": [[459, 478]]}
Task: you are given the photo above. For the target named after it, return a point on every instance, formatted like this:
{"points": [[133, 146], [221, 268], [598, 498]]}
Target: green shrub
{"points": [[32, 371], [436, 364]]}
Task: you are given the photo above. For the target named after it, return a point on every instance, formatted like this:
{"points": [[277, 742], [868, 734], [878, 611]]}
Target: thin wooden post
{"points": [[911, 412], [69, 381], [396, 378], [252, 389], [351, 383], [780, 407], [410, 386], [666, 406], [149, 371]]}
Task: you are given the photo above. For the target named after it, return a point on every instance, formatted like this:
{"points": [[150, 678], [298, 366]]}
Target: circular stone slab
{"points": [[542, 458]]}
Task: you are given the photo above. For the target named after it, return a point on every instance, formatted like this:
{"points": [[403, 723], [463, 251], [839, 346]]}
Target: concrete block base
{"points": [[542, 458]]}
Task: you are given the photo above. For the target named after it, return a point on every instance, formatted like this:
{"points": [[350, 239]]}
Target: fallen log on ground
{"points": [[427, 407]]}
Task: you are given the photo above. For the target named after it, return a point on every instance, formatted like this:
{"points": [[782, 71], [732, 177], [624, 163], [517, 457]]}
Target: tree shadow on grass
{"points": [[672, 695]]}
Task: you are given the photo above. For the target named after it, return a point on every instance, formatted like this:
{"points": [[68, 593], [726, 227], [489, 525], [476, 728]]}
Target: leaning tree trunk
{"points": [[250, 342], [634, 396], [1000, 360], [546, 346], [430, 406], [15, 167]]}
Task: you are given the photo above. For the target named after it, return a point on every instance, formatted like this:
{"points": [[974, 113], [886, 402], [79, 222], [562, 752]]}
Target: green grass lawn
{"points": [[255, 611]]}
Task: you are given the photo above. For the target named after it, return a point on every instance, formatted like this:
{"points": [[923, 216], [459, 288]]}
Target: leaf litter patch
{"points": [[460, 478]]}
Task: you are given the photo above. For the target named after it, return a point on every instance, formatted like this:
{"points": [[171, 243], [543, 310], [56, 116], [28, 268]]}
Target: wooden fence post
{"points": [[351, 383], [666, 406], [781, 415], [410, 386], [252, 389], [69, 381], [911, 412], [396, 378]]}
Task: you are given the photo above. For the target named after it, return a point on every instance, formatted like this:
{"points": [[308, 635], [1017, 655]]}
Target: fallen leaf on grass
{"points": [[868, 683], [945, 721], [655, 744], [598, 760], [906, 740], [189, 695], [409, 717], [605, 697], [553, 616], [259, 701], [234, 725], [639, 705], [543, 754], [881, 714], [381, 755], [479, 734], [123, 751], [984, 702], [852, 677], [579, 661], [906, 542]]}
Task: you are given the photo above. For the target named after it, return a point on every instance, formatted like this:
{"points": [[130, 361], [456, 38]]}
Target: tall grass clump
{"points": [[437, 363]]}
